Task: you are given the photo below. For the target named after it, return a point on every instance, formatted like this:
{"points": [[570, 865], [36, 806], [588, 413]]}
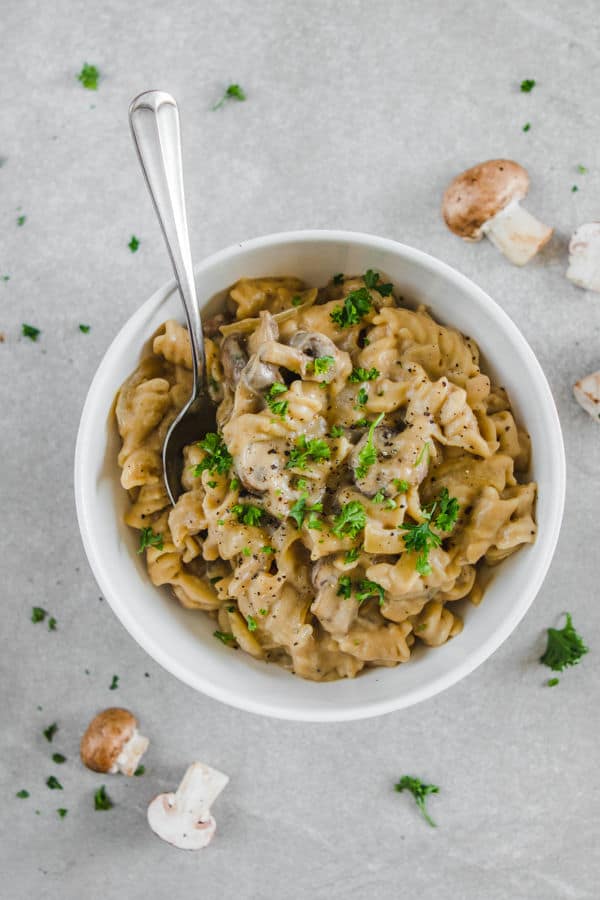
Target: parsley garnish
{"points": [[114, 683], [102, 800], [352, 555], [372, 281], [419, 791], [139, 771], [526, 126], [368, 589], [248, 514], [344, 587], [149, 539], [401, 485], [54, 784], [277, 407], [22, 794], [59, 758], [339, 278], [89, 76], [351, 520], [448, 511], [38, 614], [263, 612], [336, 431], [314, 448], [424, 450], [267, 549], [552, 682], [565, 647], [51, 624], [421, 539], [368, 455], [361, 397], [224, 636], [218, 459], [581, 169], [299, 509], [322, 364], [234, 484], [21, 220], [62, 812], [356, 305], [85, 328], [233, 92], [50, 731], [360, 374], [30, 331], [247, 551], [527, 85], [133, 244], [251, 622]]}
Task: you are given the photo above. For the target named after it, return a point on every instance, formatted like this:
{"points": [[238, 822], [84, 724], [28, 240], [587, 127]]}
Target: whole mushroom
{"points": [[112, 742], [183, 818], [485, 200], [584, 257]]}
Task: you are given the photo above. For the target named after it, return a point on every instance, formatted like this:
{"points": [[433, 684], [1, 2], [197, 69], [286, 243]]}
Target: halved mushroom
{"points": [[183, 818], [258, 463], [112, 742], [315, 346], [484, 200], [584, 257], [258, 375], [233, 358], [587, 394]]}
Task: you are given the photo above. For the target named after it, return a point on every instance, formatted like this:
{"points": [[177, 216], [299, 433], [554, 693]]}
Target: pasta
{"points": [[365, 475]]}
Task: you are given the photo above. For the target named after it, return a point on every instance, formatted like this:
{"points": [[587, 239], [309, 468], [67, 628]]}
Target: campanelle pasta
{"points": [[364, 476]]}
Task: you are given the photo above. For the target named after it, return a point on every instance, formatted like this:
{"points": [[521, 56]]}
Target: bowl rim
{"points": [[360, 709]]}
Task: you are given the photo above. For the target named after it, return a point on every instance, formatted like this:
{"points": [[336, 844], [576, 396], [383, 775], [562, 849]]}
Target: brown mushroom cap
{"points": [[104, 738], [479, 193]]}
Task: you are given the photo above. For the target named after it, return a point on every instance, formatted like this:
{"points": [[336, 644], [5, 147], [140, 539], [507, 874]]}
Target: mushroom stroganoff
{"points": [[364, 475]]}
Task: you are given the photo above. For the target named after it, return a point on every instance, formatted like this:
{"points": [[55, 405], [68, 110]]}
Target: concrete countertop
{"points": [[358, 114]]}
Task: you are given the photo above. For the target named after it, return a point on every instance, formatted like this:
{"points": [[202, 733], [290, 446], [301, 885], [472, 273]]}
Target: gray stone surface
{"points": [[357, 115]]}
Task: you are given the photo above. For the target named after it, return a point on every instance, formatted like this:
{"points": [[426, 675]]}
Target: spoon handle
{"points": [[154, 120]]}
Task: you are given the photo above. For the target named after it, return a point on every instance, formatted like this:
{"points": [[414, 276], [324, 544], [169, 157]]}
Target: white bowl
{"points": [[182, 641]]}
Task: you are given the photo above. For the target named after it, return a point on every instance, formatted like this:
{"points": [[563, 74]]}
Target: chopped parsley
{"points": [[50, 731], [247, 514], [218, 459], [297, 300], [38, 614], [552, 682], [401, 485], [425, 450], [420, 791], [574, 189], [305, 450], [564, 648], [51, 624], [351, 520], [339, 278], [373, 281], [85, 328], [149, 539], [359, 375], [582, 169], [277, 407], [233, 92], [344, 587], [368, 455], [251, 622], [234, 484], [247, 551], [299, 510], [62, 812], [59, 758], [352, 555], [88, 77], [30, 331], [526, 126], [527, 85], [356, 305], [139, 771], [421, 539], [21, 220], [133, 244], [224, 636], [212, 484], [336, 431], [102, 800], [368, 589], [322, 364], [448, 509], [263, 612], [361, 397], [114, 683], [267, 549], [22, 794], [53, 783]]}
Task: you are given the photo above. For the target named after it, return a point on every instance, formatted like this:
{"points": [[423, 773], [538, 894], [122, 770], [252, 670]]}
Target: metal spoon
{"points": [[154, 120]]}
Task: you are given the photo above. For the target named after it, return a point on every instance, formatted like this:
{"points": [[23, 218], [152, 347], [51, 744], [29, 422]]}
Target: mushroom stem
{"points": [[128, 759], [198, 790], [183, 818], [584, 257], [516, 233]]}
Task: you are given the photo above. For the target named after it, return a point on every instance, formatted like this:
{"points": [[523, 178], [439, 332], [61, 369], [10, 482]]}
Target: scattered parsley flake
{"points": [[5, 278], [296, 300], [233, 92], [234, 484], [351, 520], [373, 281], [102, 800], [344, 587], [447, 511], [38, 614], [211, 484], [360, 375], [565, 647], [574, 189], [114, 683], [299, 510], [361, 397], [322, 364], [420, 791], [30, 331], [139, 771], [356, 305], [527, 85], [582, 169], [263, 612], [424, 450], [133, 244], [218, 459], [53, 783], [352, 555], [339, 278], [277, 407], [22, 794], [62, 812], [246, 551], [552, 682], [305, 450], [251, 623], [368, 589], [50, 731], [401, 485], [85, 328], [224, 636], [59, 758], [336, 431], [247, 514], [88, 77], [149, 539], [51, 624], [526, 126], [421, 539], [267, 549], [21, 220], [368, 455]]}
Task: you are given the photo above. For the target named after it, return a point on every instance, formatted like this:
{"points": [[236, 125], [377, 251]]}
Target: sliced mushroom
{"points": [[183, 818], [258, 463], [484, 200], [384, 442], [587, 394], [258, 375], [584, 257], [112, 743], [233, 358]]}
